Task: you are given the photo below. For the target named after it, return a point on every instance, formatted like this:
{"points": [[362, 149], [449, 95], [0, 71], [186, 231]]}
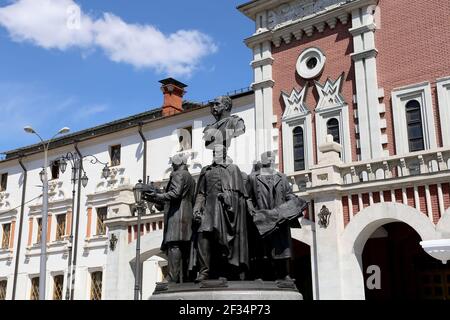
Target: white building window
{"points": [[297, 132], [332, 117], [299, 149], [55, 169], [102, 213], [443, 90], [34, 293], [414, 126], [114, 153], [185, 138], [333, 129], [60, 226], [96, 285], [3, 286], [6, 235], [3, 181], [58, 282]]}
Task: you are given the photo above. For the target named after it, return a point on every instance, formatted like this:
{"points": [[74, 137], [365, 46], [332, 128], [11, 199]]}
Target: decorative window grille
{"points": [[3, 286], [60, 226], [6, 235], [299, 149], [34, 288], [96, 285], [58, 282], [114, 154], [101, 217]]}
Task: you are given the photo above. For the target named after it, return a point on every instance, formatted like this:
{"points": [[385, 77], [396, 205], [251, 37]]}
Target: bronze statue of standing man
{"points": [[177, 201], [220, 206], [275, 208]]}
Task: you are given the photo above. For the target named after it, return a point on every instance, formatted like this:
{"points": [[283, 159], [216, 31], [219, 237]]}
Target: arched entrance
{"points": [[404, 270], [366, 225]]}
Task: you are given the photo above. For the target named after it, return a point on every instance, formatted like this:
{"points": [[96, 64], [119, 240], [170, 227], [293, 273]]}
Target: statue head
{"points": [[178, 160], [267, 159], [221, 107]]}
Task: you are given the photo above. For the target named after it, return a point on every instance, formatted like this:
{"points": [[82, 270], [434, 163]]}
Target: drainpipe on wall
{"points": [[19, 240], [144, 169], [75, 243]]}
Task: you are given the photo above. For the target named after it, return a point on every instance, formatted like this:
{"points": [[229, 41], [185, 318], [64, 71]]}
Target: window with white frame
{"points": [[185, 138], [6, 235], [96, 285], [443, 90], [58, 282], [39, 230], [333, 129], [297, 132], [332, 117], [34, 292], [60, 226], [102, 213], [3, 181], [114, 153], [55, 169], [414, 126], [3, 286], [299, 149]]}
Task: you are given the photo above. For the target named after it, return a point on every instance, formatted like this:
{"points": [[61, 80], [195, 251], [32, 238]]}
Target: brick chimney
{"points": [[173, 91]]}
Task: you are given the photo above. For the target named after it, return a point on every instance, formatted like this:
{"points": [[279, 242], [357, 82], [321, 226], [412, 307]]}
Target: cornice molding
{"points": [[297, 28], [269, 83], [262, 62], [371, 53]]}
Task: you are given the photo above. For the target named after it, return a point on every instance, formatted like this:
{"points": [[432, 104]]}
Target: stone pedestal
{"points": [[227, 290]]}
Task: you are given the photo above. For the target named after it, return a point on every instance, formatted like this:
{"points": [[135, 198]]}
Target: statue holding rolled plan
{"points": [[275, 209]]}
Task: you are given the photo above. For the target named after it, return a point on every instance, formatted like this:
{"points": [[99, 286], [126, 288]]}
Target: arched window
{"points": [[333, 129], [299, 149], [414, 124]]}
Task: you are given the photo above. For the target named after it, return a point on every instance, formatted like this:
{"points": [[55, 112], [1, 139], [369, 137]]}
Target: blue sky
{"points": [[103, 62]]}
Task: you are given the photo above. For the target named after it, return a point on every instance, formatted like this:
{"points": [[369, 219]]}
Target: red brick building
{"points": [[375, 75]]}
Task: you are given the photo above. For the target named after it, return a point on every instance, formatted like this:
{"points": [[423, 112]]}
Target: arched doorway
{"points": [[405, 271]]}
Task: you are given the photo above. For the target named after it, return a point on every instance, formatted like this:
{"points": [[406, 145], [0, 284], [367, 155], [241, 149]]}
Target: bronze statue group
{"points": [[230, 225]]}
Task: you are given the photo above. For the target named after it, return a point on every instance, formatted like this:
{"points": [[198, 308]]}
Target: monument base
{"points": [[227, 290]]}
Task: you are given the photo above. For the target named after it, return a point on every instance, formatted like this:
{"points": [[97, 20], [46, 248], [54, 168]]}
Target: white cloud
{"points": [[61, 24]]}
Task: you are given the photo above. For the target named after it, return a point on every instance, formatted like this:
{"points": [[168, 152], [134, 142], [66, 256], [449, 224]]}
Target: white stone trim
{"points": [[422, 93], [301, 66], [366, 80], [325, 111], [443, 90], [296, 114]]}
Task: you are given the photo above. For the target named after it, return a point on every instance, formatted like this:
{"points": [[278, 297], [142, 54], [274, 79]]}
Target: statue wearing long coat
{"points": [[266, 193], [227, 222], [179, 198]]}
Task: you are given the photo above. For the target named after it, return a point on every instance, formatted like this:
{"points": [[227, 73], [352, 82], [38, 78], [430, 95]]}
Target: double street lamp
{"points": [[44, 179], [78, 175]]}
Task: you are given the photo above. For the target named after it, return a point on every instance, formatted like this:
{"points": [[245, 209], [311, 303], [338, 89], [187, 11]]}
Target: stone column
{"points": [[326, 175]]}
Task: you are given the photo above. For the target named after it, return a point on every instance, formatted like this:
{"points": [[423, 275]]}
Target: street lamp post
{"points": [[137, 191], [44, 178], [78, 175]]}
